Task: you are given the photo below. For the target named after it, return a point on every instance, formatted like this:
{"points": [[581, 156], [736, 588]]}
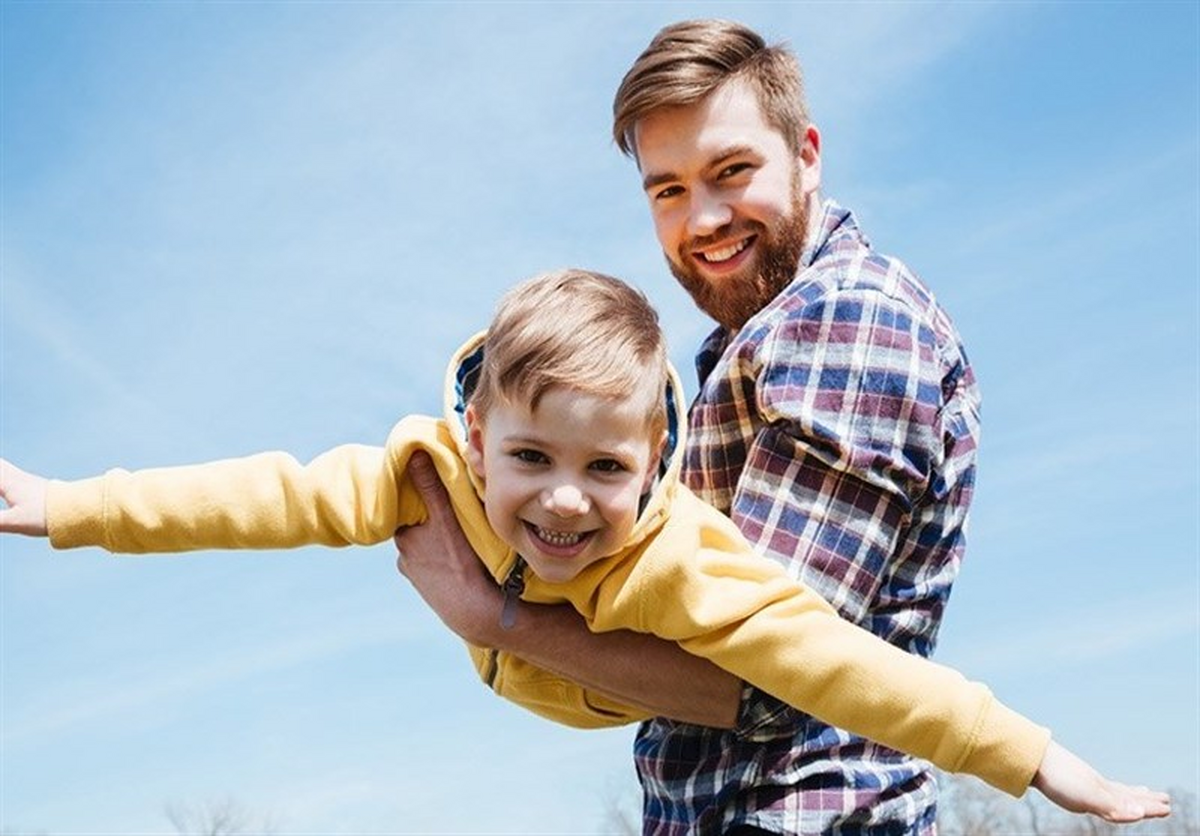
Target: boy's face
{"points": [[562, 483]]}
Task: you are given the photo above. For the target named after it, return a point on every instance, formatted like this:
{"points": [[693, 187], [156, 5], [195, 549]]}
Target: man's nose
{"points": [[566, 500], [708, 211]]}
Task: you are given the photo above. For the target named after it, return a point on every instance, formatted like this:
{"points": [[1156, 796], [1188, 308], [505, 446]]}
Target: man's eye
{"points": [[668, 193], [733, 170], [529, 456], [608, 466]]}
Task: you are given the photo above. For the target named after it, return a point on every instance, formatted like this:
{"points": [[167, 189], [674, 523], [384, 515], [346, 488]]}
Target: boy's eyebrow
{"points": [[515, 438], [657, 179]]}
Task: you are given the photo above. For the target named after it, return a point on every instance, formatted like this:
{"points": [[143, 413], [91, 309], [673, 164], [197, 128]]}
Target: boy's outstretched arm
{"points": [[25, 495], [633, 668], [1074, 785]]}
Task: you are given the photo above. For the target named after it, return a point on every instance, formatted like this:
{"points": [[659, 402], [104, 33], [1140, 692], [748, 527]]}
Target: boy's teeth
{"points": [[559, 538], [725, 253]]}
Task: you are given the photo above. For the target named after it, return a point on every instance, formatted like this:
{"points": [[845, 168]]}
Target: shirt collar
{"points": [[835, 221]]}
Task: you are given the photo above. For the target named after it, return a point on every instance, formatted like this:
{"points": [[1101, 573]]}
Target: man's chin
{"points": [[730, 314], [718, 303]]}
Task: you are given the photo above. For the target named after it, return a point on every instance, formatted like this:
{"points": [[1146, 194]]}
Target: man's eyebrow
{"points": [[652, 180], [657, 179]]}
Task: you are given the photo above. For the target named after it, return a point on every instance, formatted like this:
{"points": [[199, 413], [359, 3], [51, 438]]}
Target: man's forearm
{"points": [[635, 668]]}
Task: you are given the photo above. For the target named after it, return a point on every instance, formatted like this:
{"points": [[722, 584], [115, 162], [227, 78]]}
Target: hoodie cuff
{"points": [[75, 513], [1008, 751]]}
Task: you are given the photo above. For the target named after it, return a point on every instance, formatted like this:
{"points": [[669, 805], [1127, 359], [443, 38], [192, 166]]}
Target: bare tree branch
{"points": [[226, 817]]}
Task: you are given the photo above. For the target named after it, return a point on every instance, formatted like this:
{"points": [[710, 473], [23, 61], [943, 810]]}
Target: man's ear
{"points": [[810, 160], [656, 454], [474, 454]]}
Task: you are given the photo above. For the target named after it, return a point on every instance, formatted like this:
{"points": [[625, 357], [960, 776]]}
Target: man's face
{"points": [[729, 199], [562, 482]]}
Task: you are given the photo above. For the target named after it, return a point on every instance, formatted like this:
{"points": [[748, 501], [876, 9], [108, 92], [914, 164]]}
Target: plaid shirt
{"points": [[838, 429]]}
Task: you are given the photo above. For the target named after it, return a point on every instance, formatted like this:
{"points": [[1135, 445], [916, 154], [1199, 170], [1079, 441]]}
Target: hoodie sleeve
{"points": [[699, 584], [354, 494]]}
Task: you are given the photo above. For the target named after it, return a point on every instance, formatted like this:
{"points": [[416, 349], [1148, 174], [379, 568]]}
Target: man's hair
{"points": [[579, 330], [687, 61]]}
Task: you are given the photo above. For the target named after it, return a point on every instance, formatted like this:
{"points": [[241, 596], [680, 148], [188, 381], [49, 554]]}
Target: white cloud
{"points": [[1078, 192], [1084, 636], [129, 689], [53, 339]]}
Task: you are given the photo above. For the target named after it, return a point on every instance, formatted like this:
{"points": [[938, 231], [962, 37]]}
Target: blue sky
{"points": [[230, 227]]}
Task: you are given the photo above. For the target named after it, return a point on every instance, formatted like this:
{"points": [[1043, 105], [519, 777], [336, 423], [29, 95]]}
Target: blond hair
{"points": [[579, 330], [687, 61]]}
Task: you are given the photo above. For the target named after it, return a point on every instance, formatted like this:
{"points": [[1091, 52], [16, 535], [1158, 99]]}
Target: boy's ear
{"points": [[474, 440], [656, 454]]}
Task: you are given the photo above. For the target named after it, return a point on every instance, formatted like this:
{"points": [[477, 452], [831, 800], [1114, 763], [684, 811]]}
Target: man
{"points": [[836, 424]]}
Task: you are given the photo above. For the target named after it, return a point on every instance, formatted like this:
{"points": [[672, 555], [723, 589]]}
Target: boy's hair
{"points": [[575, 329], [687, 61]]}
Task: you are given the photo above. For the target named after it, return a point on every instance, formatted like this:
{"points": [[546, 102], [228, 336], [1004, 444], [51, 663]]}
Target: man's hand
{"points": [[1074, 785], [25, 495], [440, 563]]}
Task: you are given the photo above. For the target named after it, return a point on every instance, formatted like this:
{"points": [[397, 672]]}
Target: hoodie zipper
{"points": [[513, 586]]}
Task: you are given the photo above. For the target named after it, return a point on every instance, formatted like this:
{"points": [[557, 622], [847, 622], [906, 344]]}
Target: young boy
{"points": [[558, 450]]}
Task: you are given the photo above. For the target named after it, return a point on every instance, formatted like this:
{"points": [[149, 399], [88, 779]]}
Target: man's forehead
{"points": [[727, 120]]}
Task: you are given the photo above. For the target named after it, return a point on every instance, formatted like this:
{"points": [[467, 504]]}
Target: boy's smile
{"points": [[562, 483]]}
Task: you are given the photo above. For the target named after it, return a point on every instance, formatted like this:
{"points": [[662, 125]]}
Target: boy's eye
{"points": [[608, 466], [530, 456]]}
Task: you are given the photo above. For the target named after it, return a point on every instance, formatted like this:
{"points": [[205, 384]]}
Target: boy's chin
{"points": [[554, 570]]}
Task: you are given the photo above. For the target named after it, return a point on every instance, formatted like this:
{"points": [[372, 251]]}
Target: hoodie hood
{"points": [[462, 374]]}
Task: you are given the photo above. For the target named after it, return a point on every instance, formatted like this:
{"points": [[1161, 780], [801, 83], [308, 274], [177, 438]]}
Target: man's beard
{"points": [[732, 300]]}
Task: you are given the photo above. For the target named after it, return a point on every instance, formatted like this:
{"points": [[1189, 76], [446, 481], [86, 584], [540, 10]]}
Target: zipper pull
{"points": [[513, 586]]}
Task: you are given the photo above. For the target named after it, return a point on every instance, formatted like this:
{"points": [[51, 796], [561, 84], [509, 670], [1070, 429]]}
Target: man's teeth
{"points": [[725, 253], [559, 538]]}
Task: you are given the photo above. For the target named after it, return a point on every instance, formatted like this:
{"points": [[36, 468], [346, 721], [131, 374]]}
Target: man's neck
{"points": [[815, 219]]}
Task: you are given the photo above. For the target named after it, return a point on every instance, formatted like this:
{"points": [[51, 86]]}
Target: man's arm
{"points": [[634, 668], [865, 460]]}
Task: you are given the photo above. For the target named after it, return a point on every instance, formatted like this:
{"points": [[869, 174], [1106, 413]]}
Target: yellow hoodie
{"points": [[686, 575]]}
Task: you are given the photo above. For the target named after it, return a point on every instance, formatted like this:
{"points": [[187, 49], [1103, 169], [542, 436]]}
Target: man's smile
{"points": [[722, 254]]}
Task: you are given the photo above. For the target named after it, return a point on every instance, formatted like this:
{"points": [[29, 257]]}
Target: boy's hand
{"points": [[25, 495], [1074, 785]]}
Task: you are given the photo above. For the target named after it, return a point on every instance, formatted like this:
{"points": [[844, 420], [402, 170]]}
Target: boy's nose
{"points": [[566, 501]]}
